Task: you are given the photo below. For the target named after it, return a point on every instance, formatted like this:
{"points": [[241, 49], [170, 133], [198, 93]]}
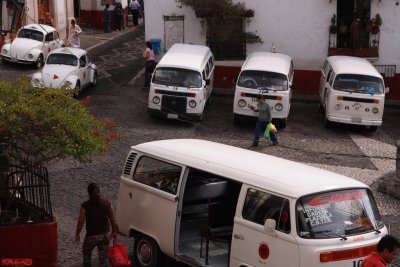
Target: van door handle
{"points": [[238, 236]]}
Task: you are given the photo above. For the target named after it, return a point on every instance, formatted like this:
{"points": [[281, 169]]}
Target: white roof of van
{"points": [[353, 65], [260, 170], [186, 56], [266, 61]]}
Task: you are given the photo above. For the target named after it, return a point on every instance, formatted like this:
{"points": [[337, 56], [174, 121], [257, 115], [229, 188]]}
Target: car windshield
{"points": [[177, 77], [355, 83], [62, 59], [337, 214], [31, 34], [263, 80]]}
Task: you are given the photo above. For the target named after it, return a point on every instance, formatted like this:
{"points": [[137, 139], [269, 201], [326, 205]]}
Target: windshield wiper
{"points": [[343, 238]]}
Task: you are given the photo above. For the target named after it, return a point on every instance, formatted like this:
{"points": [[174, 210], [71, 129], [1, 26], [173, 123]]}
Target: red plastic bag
{"points": [[117, 255]]}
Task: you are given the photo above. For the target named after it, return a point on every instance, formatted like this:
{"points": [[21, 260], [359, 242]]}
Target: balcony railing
{"points": [[358, 44]]}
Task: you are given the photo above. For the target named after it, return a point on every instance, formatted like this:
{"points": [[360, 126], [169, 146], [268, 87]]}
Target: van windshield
{"points": [[337, 214], [177, 77], [355, 83], [263, 80]]}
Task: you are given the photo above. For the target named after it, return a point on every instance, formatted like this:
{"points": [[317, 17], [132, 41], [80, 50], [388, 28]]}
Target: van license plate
{"points": [[356, 119], [172, 116]]}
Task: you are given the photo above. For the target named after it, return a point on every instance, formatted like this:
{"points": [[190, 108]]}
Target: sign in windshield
{"points": [[337, 214], [358, 84]]}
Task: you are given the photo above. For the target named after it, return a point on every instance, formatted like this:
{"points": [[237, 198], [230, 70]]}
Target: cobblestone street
{"points": [[119, 96]]}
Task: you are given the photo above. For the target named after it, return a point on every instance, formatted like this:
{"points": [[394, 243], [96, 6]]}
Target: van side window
{"points": [[328, 76], [157, 174], [331, 78], [260, 206]]}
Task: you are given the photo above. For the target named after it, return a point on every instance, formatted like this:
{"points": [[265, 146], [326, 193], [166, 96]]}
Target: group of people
{"points": [[136, 9]]}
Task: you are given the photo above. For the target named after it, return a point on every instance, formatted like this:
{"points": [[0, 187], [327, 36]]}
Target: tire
{"points": [[5, 62], [77, 89], [208, 101], [372, 129], [94, 83], [39, 62], [146, 251], [321, 108], [327, 123], [282, 123], [236, 119]]}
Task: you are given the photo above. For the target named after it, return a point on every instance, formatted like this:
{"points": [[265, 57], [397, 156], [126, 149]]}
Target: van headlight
{"points": [[192, 103], [242, 103], [156, 100], [278, 107], [375, 110]]}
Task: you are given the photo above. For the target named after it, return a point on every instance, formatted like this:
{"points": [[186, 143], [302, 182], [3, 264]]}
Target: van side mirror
{"points": [[270, 226], [326, 84], [204, 83], [386, 90]]}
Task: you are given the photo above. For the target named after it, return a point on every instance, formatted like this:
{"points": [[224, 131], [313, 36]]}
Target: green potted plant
{"points": [[333, 26], [377, 23]]}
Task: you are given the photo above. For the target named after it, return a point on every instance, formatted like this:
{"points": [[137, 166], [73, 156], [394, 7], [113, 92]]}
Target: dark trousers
{"points": [[148, 70], [118, 22], [135, 16], [260, 128]]}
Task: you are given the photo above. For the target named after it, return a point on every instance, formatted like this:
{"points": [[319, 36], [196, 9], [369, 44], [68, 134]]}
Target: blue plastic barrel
{"points": [[156, 44]]}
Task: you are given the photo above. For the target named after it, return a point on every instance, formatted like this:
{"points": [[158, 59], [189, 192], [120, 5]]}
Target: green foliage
{"points": [[378, 20], [253, 38], [47, 123], [333, 20]]}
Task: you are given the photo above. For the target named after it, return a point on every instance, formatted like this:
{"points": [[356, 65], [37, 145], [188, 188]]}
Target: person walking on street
{"points": [[74, 32], [150, 61], [387, 249], [134, 8], [98, 214], [118, 14], [106, 19], [264, 117]]}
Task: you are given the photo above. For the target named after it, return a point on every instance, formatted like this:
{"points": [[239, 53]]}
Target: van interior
{"points": [[208, 210]]}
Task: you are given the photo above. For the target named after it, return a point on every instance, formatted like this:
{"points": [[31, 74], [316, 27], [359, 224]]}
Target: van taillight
{"points": [[348, 254], [279, 97], [242, 94], [340, 97], [376, 101]]}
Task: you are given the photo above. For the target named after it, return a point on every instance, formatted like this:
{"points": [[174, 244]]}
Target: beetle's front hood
{"points": [[54, 75], [21, 46]]}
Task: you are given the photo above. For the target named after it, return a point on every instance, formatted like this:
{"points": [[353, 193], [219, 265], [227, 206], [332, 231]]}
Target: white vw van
{"points": [[210, 204], [351, 91], [268, 74], [182, 83]]}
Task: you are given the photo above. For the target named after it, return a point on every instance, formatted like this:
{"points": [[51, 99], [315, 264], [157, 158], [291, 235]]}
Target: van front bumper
{"points": [[174, 116], [355, 121]]}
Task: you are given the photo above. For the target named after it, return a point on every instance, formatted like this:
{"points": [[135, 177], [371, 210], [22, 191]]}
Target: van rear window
{"points": [[263, 80], [358, 84], [337, 214]]}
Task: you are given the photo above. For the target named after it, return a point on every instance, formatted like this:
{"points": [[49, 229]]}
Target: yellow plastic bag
{"points": [[272, 128]]}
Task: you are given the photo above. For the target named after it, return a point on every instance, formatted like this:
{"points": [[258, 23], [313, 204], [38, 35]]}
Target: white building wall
{"points": [[298, 28]]}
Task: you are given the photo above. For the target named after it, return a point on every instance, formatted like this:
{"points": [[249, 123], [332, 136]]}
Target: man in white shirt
{"points": [[134, 8]]}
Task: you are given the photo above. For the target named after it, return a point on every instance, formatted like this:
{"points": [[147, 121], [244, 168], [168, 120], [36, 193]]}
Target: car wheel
{"points": [[93, 84], [146, 251], [39, 61], [77, 89]]}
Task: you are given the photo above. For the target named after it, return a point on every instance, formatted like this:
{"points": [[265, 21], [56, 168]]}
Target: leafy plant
{"points": [[253, 38], [378, 20], [333, 26], [45, 124]]}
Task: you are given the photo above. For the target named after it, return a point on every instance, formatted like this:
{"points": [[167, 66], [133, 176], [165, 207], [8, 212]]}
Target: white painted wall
{"points": [[298, 28]]}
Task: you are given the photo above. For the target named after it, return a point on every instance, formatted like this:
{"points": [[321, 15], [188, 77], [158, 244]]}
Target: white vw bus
{"points": [[268, 74], [210, 204], [351, 91], [182, 83]]}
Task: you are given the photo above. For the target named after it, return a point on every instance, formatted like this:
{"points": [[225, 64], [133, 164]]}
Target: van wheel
{"points": [[327, 123], [208, 101], [282, 123], [146, 251], [201, 117], [321, 108], [372, 129], [236, 119]]}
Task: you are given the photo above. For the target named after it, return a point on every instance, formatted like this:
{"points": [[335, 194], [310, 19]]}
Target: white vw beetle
{"points": [[32, 45], [70, 67]]}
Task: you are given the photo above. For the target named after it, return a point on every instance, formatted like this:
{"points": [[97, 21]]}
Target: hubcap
{"points": [[144, 253]]}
